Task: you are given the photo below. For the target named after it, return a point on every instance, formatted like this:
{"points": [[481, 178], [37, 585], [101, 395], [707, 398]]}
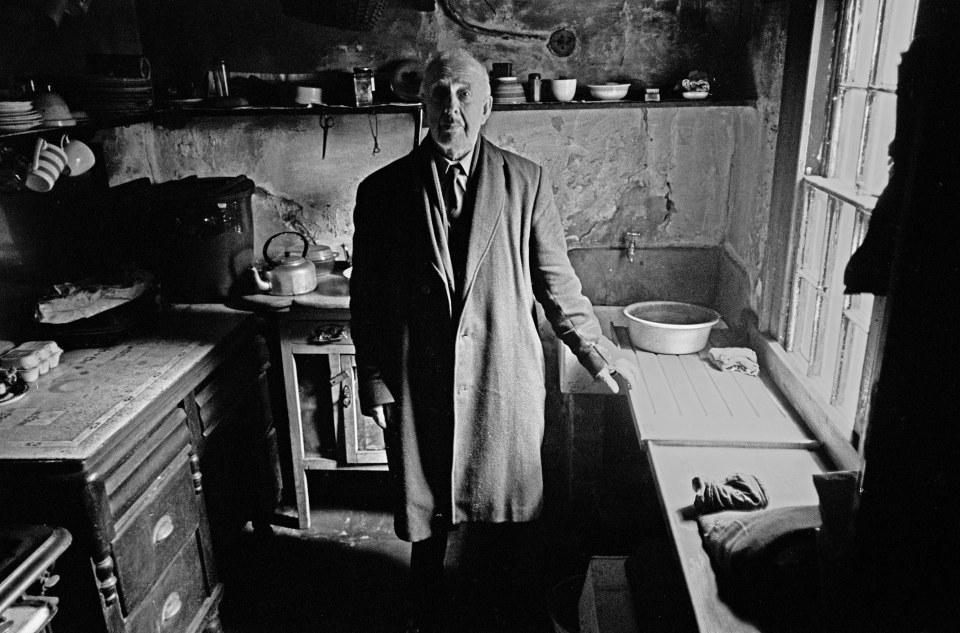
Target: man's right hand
{"points": [[379, 416]]}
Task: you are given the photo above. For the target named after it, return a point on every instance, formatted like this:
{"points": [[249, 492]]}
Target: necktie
{"points": [[453, 187]]}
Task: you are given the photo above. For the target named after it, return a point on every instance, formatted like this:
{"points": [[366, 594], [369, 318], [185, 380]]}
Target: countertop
{"points": [[332, 293], [93, 394], [684, 399]]}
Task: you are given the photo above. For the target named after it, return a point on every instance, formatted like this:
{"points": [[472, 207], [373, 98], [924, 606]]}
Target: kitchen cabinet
{"points": [[144, 451], [327, 430]]}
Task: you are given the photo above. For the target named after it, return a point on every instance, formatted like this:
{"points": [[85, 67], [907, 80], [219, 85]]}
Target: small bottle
{"points": [[363, 85], [533, 84], [220, 83]]}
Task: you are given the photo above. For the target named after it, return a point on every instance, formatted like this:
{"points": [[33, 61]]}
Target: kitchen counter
{"points": [[684, 399], [89, 399], [332, 293], [153, 452]]}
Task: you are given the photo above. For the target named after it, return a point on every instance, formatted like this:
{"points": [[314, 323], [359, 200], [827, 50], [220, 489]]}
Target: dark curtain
{"points": [[907, 558]]}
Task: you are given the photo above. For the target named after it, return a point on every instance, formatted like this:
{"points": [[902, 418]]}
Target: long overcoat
{"points": [[462, 363]]}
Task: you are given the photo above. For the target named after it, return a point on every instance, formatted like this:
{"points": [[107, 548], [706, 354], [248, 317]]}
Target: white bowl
{"points": [[608, 91], [669, 327], [562, 89], [695, 94]]}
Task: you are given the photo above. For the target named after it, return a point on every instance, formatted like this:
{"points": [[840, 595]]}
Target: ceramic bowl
{"points": [[561, 89], [608, 91], [669, 327], [54, 109], [695, 94]]}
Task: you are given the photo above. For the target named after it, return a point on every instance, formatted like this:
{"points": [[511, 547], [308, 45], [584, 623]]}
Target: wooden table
{"points": [[786, 475]]}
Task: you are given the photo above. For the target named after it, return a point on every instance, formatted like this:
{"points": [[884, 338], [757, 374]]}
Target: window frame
{"points": [[811, 79]]}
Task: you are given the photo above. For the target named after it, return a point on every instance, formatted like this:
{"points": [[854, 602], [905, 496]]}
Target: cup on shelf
{"points": [[80, 157], [49, 161], [309, 95], [561, 89]]}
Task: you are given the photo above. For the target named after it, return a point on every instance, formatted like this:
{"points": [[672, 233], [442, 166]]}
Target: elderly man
{"points": [[454, 245]]}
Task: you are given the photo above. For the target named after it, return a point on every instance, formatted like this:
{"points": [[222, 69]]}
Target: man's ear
{"points": [[487, 108]]}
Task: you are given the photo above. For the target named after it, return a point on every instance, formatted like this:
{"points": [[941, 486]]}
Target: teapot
{"points": [[291, 274]]}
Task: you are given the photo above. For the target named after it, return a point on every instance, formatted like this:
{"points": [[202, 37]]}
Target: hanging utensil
{"points": [[373, 121], [326, 122]]}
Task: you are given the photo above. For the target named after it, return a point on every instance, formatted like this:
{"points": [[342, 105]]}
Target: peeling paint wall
{"points": [[666, 173], [747, 223]]}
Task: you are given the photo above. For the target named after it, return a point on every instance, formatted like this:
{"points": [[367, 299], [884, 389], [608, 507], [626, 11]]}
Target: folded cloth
{"points": [[738, 492], [766, 564], [742, 359], [70, 302]]}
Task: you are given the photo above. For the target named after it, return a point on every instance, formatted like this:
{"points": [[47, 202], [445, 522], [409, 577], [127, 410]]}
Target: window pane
{"points": [[862, 47], [880, 130], [898, 25], [853, 346], [847, 139], [810, 263], [806, 315]]}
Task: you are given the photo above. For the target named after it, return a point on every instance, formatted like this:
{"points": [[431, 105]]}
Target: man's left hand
{"points": [[621, 366]]}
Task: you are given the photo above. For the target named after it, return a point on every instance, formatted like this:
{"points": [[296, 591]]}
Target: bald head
{"points": [[456, 63], [456, 96]]}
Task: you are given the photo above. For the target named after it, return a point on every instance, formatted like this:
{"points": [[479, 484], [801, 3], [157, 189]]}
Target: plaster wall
{"points": [[747, 225], [667, 173], [648, 42]]}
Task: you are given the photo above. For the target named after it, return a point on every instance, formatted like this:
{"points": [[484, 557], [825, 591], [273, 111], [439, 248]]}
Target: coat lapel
{"points": [[429, 217], [487, 211]]}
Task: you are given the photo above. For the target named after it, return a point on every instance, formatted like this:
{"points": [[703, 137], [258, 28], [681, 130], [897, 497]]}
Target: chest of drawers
{"points": [[127, 447]]}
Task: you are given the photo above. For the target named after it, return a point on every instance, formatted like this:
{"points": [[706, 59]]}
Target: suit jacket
{"points": [[462, 363]]}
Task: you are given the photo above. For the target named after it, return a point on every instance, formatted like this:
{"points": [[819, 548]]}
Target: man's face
{"points": [[458, 103]]}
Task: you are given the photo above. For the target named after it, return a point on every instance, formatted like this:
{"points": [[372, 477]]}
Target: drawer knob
{"points": [[163, 528], [171, 607]]}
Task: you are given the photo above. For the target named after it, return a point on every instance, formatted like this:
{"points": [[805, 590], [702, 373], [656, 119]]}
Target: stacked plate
{"points": [[117, 96], [508, 90], [18, 115]]}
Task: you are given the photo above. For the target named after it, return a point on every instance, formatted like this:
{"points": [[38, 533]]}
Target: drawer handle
{"points": [[171, 607], [163, 528]]}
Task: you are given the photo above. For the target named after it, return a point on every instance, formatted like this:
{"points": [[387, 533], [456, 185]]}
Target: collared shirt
{"points": [[457, 208], [453, 196]]}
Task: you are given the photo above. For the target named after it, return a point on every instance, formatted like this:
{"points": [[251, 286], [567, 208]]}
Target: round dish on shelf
{"points": [[608, 91], [695, 94]]}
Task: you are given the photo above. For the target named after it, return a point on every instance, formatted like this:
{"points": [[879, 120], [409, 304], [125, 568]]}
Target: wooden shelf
{"points": [[624, 103], [165, 112]]}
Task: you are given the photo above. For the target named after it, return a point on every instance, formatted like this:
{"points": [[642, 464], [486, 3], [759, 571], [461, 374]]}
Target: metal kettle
{"points": [[291, 274]]}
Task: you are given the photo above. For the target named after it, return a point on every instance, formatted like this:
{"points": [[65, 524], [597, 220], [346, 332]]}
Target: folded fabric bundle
{"points": [[742, 359], [766, 563], [68, 302], [737, 492]]}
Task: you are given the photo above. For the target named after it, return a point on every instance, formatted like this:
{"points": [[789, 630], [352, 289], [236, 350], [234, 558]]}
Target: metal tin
{"points": [[533, 85]]}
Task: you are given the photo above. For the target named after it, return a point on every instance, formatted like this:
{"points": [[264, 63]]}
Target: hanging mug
{"points": [[48, 163], [80, 157]]}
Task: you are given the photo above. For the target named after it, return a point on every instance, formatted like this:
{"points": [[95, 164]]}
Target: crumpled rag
{"points": [[742, 359], [739, 491]]}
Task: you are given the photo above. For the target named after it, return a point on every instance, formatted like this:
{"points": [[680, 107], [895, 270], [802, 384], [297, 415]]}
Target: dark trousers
{"points": [[496, 572]]}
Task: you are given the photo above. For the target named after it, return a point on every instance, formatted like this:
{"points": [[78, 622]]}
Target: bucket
{"points": [[563, 604], [204, 237]]}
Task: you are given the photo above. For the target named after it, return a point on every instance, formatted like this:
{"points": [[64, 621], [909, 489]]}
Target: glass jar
{"points": [[363, 85]]}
